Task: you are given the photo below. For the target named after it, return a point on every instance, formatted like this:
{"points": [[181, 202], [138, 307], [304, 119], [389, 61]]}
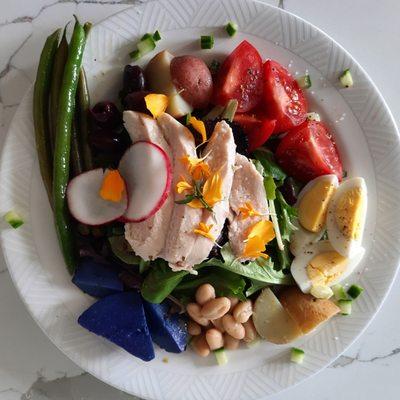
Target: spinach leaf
{"points": [[271, 168], [225, 283], [122, 250], [255, 286], [160, 281], [260, 270], [287, 216]]}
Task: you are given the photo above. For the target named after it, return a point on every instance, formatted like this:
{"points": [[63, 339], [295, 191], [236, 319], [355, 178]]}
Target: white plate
{"points": [[368, 141]]}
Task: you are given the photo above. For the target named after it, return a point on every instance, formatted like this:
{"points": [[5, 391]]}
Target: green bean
{"points": [[56, 80], [40, 110], [76, 158], [63, 144]]}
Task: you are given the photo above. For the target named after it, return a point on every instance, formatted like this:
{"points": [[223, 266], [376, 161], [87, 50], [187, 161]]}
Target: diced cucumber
{"points": [[221, 357], [230, 110], [345, 306], [214, 113], [339, 292], [313, 116], [231, 28], [304, 81], [321, 292], [146, 35], [135, 55], [187, 118], [146, 46], [354, 291], [207, 42], [214, 66], [346, 79], [297, 355], [157, 36], [13, 219]]}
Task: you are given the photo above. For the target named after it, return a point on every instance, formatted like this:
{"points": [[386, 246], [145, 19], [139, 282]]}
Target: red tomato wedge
{"points": [[283, 98], [257, 129], [240, 78], [309, 151]]}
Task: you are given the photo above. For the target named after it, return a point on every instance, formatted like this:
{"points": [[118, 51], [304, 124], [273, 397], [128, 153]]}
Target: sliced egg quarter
{"points": [[313, 202], [320, 264], [301, 238], [346, 216]]}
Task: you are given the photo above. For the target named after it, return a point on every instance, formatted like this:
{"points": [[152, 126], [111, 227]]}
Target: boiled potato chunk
{"points": [[272, 321], [158, 74], [306, 310]]}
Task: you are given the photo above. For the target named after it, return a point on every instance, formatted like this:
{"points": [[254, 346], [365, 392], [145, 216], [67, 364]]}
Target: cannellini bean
{"points": [[194, 311], [214, 339], [218, 324], [250, 331], [234, 301], [230, 343], [200, 346], [193, 328], [216, 308], [243, 311], [205, 293], [232, 327]]}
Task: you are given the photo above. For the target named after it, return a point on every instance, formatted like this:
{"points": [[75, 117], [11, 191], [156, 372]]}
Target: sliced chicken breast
{"points": [[221, 150], [180, 237], [147, 238], [247, 187]]}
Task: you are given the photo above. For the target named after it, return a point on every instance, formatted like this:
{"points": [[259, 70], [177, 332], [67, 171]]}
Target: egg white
{"points": [[301, 238], [302, 259], [343, 245]]}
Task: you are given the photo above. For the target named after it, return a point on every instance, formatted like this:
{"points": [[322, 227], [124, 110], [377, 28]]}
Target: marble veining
{"points": [[31, 368]]}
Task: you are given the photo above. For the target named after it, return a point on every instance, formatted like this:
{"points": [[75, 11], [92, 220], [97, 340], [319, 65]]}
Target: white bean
{"points": [[194, 311], [234, 301], [193, 328], [250, 331], [200, 346], [243, 311], [216, 308], [232, 327], [205, 293], [214, 339], [230, 343], [218, 324]]}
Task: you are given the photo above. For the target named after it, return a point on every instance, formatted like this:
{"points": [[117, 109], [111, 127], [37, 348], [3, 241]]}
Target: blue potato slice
{"points": [[168, 330], [120, 318], [96, 279]]}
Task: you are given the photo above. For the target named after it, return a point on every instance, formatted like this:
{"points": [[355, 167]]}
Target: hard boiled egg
{"points": [[346, 217], [313, 201], [301, 238], [319, 264]]}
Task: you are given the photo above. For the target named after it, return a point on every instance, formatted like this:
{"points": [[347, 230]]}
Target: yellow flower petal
{"points": [[183, 186], [263, 229], [112, 187], [197, 167], [204, 230], [254, 248], [199, 126], [247, 210], [212, 189], [196, 203], [156, 104]]}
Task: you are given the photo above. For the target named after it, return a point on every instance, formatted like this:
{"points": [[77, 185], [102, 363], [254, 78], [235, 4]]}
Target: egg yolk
{"points": [[349, 211], [314, 204], [325, 267]]}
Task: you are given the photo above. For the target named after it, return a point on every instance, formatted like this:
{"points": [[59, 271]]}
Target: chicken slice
{"points": [[221, 150], [247, 187], [181, 238], [147, 238]]}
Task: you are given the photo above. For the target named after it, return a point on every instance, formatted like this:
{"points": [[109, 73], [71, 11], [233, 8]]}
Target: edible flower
{"points": [[254, 248], [156, 104], [247, 211], [197, 167], [199, 126], [258, 236], [212, 189], [183, 186], [204, 230], [112, 187]]}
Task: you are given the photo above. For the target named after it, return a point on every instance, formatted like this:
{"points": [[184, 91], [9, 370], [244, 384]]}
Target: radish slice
{"points": [[85, 203], [147, 171]]}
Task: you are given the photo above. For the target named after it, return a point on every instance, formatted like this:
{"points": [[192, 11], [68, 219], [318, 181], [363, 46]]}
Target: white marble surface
{"points": [[31, 368]]}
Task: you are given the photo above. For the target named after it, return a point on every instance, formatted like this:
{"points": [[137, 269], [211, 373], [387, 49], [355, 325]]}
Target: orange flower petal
{"points": [[247, 211], [113, 186], [254, 248], [183, 186], [263, 229], [156, 104], [212, 189], [199, 126], [204, 230]]}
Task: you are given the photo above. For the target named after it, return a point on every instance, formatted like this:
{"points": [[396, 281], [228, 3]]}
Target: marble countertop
{"points": [[31, 367]]}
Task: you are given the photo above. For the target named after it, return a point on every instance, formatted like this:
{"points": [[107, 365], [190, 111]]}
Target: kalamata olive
{"points": [[135, 102], [105, 115], [109, 140], [289, 190], [133, 79]]}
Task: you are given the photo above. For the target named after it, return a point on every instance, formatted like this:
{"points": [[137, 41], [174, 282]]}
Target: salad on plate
{"points": [[207, 209]]}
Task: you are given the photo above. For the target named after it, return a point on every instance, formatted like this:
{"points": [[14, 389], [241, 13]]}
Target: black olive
{"points": [[105, 115]]}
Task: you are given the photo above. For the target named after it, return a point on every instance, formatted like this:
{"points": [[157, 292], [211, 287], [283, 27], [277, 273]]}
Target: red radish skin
{"points": [[91, 181], [166, 190]]}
